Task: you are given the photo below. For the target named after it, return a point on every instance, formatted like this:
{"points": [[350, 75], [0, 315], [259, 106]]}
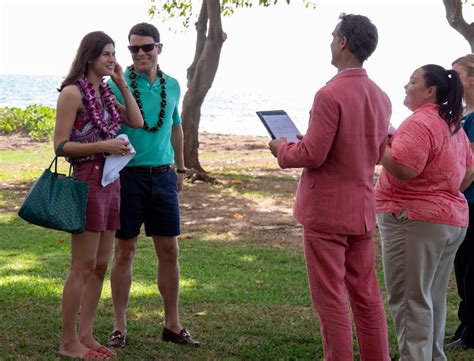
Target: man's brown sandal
{"points": [[182, 338], [117, 339]]}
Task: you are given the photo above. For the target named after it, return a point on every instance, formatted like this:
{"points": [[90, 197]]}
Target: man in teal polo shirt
{"points": [[150, 186]]}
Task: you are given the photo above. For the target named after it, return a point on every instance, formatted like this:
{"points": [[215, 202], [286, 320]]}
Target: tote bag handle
{"points": [[55, 160]]}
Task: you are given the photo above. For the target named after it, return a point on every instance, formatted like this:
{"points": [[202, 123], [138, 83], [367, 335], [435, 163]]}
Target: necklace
{"points": [[136, 94], [93, 109]]}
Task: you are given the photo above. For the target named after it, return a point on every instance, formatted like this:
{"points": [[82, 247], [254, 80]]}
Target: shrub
{"points": [[36, 121]]}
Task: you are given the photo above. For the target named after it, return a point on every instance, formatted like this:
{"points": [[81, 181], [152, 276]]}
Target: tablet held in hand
{"points": [[279, 124]]}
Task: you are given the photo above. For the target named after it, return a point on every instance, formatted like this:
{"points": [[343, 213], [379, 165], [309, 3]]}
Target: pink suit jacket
{"points": [[346, 138]]}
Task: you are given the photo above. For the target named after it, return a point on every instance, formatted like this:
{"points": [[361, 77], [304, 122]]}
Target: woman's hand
{"points": [[116, 146], [118, 78]]}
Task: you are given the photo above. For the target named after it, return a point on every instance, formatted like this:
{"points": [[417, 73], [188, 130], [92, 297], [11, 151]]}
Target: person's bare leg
{"points": [[121, 280], [93, 290], [167, 251], [83, 259]]}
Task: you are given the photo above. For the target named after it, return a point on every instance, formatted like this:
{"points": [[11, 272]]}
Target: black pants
{"points": [[464, 270]]}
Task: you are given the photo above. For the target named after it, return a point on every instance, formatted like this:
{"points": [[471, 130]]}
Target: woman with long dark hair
{"points": [[421, 212], [87, 119]]}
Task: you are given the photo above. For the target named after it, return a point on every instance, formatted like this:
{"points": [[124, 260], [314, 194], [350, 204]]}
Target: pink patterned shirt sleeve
{"points": [[424, 143]]}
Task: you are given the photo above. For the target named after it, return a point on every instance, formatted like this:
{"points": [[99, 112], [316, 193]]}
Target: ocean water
{"points": [[225, 111], [23, 90]]}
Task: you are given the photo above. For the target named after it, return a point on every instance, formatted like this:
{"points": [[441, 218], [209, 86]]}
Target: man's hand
{"points": [[180, 181], [391, 133], [273, 145]]}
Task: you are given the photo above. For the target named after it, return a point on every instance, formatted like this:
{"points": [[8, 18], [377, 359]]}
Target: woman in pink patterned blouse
{"points": [[87, 118], [421, 212]]}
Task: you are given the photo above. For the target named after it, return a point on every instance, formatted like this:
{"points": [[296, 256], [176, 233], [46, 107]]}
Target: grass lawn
{"points": [[243, 288]]}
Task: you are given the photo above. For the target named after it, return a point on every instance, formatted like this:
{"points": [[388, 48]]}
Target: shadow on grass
{"points": [[241, 301], [256, 210]]}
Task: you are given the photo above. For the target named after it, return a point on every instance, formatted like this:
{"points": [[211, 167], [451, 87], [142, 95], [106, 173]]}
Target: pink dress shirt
{"points": [[423, 143], [346, 136]]}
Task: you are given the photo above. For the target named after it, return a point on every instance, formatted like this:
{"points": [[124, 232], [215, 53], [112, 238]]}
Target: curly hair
{"points": [[361, 35]]}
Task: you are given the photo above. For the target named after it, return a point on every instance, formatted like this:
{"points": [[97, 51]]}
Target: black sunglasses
{"points": [[134, 49]]}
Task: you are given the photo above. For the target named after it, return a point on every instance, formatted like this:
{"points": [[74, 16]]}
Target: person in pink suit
{"points": [[335, 203]]}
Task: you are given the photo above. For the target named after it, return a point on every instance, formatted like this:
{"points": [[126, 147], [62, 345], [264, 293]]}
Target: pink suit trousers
{"points": [[341, 268]]}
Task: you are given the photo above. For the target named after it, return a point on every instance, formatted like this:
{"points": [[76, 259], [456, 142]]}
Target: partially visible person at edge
{"points": [[150, 186], [335, 203], [88, 117], [463, 338], [421, 212]]}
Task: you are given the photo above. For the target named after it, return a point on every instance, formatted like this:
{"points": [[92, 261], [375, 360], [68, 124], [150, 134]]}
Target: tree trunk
{"points": [[456, 20], [201, 74]]}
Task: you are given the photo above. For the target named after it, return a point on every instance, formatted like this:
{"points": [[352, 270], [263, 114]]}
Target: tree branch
{"points": [[215, 22], [208, 62], [201, 29], [456, 20]]}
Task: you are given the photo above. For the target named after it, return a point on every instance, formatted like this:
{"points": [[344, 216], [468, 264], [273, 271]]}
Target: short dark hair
{"points": [[145, 29], [449, 93], [361, 35]]}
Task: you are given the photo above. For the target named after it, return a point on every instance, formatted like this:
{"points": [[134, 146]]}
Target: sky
{"points": [[281, 51]]}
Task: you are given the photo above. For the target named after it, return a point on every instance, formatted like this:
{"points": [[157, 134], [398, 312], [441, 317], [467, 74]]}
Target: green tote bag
{"points": [[56, 201]]}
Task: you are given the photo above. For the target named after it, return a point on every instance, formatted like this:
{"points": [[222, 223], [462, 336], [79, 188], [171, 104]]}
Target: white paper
{"points": [[115, 163]]}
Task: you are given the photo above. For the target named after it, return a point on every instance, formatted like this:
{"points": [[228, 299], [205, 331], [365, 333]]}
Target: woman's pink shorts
{"points": [[103, 203]]}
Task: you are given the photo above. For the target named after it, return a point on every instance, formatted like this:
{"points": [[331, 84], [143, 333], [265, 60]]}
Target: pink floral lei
{"points": [[93, 109]]}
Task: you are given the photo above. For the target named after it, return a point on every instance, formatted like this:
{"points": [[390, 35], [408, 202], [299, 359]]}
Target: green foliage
{"points": [[35, 120], [184, 9]]}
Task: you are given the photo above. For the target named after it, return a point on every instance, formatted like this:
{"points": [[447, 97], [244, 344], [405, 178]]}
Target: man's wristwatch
{"points": [[182, 171]]}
